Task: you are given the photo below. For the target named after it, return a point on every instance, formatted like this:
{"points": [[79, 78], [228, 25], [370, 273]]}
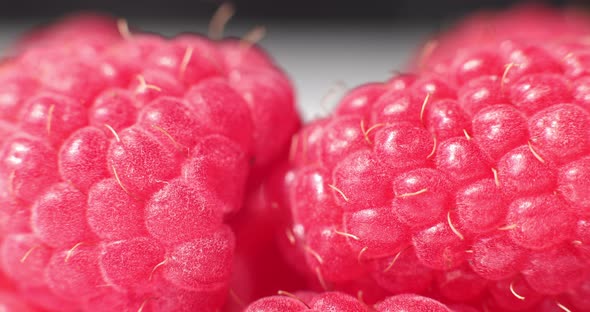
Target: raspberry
{"points": [[277, 304], [445, 119], [110, 214], [124, 263], [466, 181], [461, 284], [58, 217], [402, 147], [408, 276], [358, 172], [330, 255], [9, 302], [497, 257], [76, 159], [502, 294], [554, 135], [259, 268], [573, 181], [113, 107], [344, 137], [520, 172], [169, 219], [480, 207], [580, 296], [554, 271], [498, 129], [377, 229], [480, 35], [14, 91], [438, 247], [124, 158], [74, 273], [415, 207], [359, 100], [209, 97], [583, 233], [541, 221], [190, 264], [393, 106], [31, 264], [471, 66], [534, 92], [410, 303], [29, 166], [338, 301], [460, 160], [93, 29], [316, 203]]}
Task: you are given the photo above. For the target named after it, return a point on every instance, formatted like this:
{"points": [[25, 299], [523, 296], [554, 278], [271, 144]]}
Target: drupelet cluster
{"points": [[122, 156], [468, 180]]}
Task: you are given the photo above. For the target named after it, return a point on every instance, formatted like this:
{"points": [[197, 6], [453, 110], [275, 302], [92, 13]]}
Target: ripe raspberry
{"points": [[277, 304], [466, 181], [9, 302], [123, 156], [92, 29], [411, 303], [259, 268], [338, 301], [449, 53]]}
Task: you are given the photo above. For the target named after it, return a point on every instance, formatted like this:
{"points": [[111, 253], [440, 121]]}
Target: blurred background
{"points": [[326, 45]]}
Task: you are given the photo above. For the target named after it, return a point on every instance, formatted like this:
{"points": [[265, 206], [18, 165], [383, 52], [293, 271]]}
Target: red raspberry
{"points": [[468, 182], [277, 304], [260, 269], [478, 45], [337, 301], [122, 158], [94, 30], [9, 302]]}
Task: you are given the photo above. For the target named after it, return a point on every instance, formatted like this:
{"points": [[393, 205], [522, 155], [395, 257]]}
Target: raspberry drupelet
{"points": [[123, 156], [466, 180], [341, 302]]}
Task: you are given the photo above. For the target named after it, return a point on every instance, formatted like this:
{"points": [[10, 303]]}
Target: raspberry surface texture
{"points": [[259, 268], [524, 23], [123, 157], [341, 302], [467, 180]]}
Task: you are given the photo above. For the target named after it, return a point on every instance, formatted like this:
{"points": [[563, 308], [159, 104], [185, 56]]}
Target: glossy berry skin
{"points": [[468, 182], [122, 158]]}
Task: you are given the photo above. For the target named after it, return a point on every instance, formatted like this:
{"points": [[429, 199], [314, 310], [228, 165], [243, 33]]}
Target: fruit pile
{"points": [[142, 173]]}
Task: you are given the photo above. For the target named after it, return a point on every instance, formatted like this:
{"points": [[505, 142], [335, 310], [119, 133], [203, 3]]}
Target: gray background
{"points": [[320, 58], [320, 42]]}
